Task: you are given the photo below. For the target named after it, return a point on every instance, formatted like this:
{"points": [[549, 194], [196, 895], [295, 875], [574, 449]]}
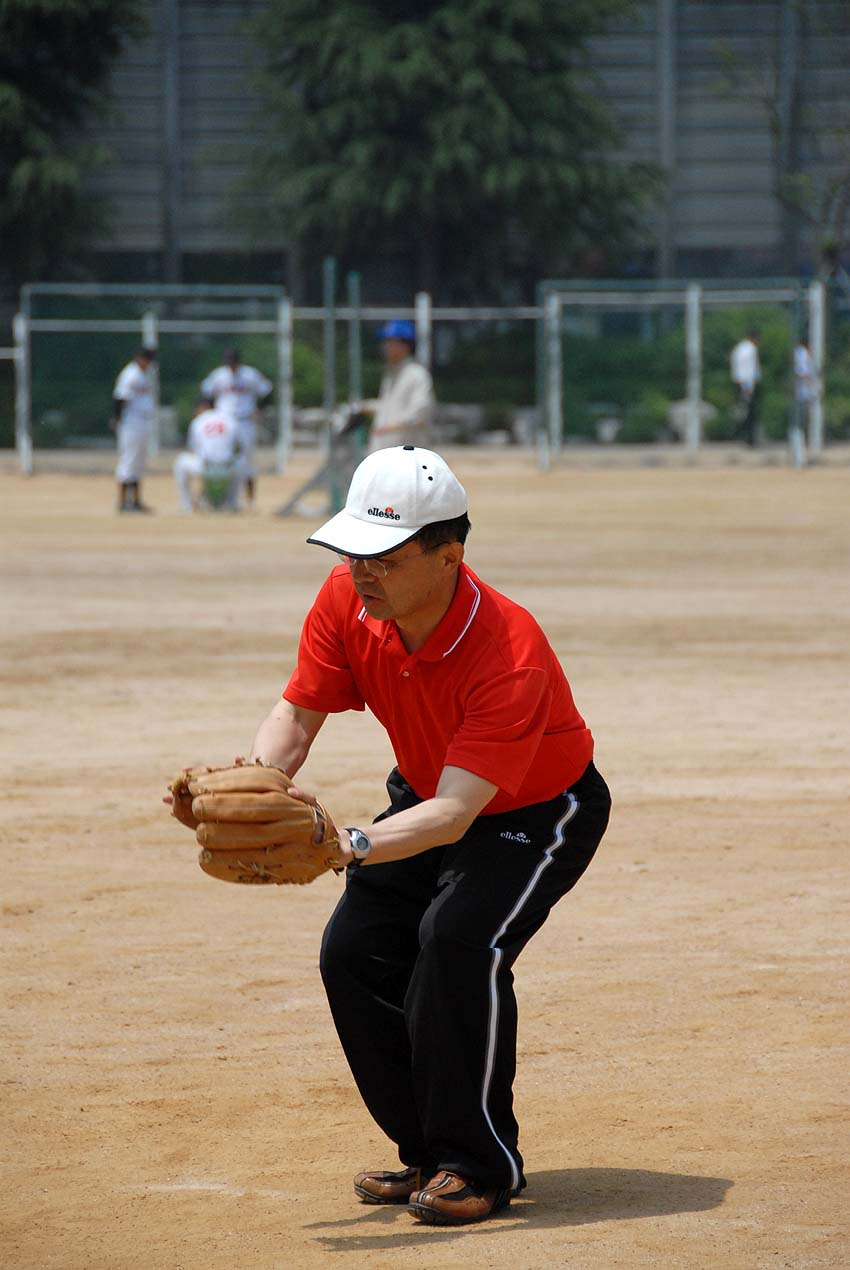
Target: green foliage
{"points": [[55, 57], [639, 375], [7, 405], [837, 380], [467, 141], [490, 367], [647, 419], [838, 417]]}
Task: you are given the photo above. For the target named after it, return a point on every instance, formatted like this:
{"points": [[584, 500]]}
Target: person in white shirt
{"points": [[241, 390], [213, 443], [133, 411], [745, 368], [404, 410]]}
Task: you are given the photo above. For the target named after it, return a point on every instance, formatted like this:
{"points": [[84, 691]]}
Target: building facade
{"points": [[745, 107]]}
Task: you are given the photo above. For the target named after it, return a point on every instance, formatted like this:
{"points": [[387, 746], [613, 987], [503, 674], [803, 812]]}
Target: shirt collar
{"points": [[455, 623]]}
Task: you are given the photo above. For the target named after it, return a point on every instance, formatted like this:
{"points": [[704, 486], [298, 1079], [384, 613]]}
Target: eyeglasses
{"points": [[380, 568]]}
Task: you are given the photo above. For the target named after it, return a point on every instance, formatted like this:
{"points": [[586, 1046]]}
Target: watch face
{"points": [[360, 843]]}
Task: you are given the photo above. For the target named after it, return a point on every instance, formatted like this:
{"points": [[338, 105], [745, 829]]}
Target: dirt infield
{"points": [[173, 1095]]}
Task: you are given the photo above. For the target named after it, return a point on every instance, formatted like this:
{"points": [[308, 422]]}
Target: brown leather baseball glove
{"points": [[251, 829]]}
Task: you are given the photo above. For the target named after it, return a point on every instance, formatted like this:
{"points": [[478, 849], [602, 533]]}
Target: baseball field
{"points": [[173, 1095]]}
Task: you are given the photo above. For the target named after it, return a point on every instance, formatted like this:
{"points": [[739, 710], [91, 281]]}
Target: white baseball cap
{"points": [[393, 494]]}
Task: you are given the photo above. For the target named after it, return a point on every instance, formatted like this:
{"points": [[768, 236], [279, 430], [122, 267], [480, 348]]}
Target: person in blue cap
{"points": [[403, 412]]}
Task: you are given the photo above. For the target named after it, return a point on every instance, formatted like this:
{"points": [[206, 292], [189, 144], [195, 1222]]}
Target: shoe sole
{"points": [[369, 1198], [433, 1217]]}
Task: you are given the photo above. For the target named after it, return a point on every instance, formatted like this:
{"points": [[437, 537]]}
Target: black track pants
{"points": [[416, 962]]}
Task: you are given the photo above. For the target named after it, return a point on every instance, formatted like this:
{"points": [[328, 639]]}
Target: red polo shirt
{"points": [[485, 692]]}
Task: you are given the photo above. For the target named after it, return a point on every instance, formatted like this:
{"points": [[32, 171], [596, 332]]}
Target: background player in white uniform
{"points": [[745, 370], [404, 410], [133, 409], [240, 390], [213, 444]]}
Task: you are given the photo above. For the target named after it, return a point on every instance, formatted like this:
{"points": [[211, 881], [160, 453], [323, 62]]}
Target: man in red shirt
{"points": [[496, 810]]}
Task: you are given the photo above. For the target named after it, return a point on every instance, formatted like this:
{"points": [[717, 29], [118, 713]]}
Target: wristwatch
{"points": [[360, 844]]}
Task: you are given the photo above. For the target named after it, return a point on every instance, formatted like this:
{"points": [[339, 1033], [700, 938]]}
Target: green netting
{"points": [[623, 362], [837, 372], [94, 332], [624, 372], [7, 404]]}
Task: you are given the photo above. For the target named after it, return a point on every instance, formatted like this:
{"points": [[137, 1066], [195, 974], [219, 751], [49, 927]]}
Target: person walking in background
{"points": [[404, 410], [133, 410], [745, 368], [241, 390]]}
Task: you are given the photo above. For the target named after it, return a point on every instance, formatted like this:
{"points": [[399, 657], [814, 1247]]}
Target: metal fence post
{"points": [[693, 347], [817, 325], [423, 328], [355, 344], [554, 373], [540, 430], [150, 339], [23, 395], [284, 394], [335, 490], [329, 334]]}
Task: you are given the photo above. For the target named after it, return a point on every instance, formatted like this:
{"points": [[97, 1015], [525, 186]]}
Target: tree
{"points": [[465, 142], [55, 57], [809, 132]]}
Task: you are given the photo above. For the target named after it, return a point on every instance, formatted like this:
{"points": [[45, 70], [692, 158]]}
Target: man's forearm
{"points": [[284, 737], [435, 822]]}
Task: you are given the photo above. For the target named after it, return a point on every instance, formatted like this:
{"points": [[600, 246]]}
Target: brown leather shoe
{"points": [[449, 1200], [389, 1188]]}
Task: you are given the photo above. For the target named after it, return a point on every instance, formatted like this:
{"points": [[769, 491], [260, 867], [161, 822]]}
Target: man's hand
{"points": [[255, 826]]}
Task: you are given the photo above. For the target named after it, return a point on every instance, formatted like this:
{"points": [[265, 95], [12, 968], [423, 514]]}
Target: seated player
{"points": [[213, 457]]}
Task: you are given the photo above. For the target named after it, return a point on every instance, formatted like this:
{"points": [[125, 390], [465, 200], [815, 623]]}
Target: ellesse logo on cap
{"points": [[386, 514]]}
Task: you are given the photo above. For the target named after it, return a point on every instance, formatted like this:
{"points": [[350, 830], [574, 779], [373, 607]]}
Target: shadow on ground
{"points": [[558, 1197]]}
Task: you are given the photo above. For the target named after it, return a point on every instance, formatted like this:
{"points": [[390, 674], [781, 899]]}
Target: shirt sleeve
{"points": [[125, 386], [209, 385], [504, 721], [322, 679]]}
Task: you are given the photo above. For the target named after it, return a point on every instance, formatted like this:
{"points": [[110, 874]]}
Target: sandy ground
{"points": [[172, 1091]]}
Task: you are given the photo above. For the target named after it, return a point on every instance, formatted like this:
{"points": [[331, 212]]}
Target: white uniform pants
{"points": [[188, 466], [132, 451], [247, 447]]}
